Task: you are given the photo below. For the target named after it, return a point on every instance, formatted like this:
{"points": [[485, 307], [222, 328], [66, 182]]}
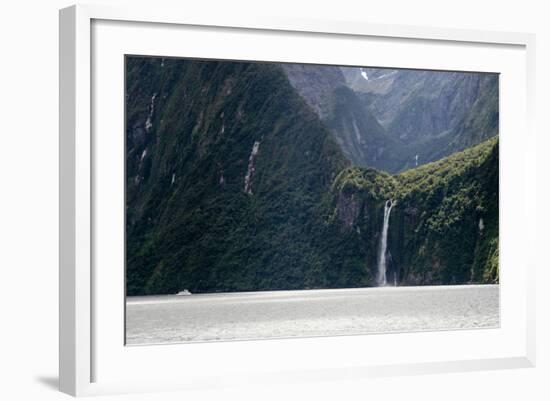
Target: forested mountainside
{"points": [[236, 182], [226, 169], [444, 224]]}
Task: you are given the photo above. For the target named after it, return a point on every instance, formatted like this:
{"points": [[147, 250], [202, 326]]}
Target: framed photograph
{"points": [[268, 200]]}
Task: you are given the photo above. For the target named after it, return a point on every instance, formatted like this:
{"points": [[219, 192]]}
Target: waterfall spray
{"points": [[382, 281]]}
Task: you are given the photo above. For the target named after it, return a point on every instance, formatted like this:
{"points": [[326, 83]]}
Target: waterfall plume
{"points": [[382, 280]]}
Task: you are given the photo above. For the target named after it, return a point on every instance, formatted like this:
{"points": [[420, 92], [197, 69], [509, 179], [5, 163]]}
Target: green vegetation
{"points": [[207, 213], [190, 223], [456, 225], [444, 227]]}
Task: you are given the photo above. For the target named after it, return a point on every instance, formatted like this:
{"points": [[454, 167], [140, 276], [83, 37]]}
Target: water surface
{"points": [[281, 314]]}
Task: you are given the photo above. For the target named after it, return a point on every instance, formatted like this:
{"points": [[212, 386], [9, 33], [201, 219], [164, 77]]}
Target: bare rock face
{"points": [[348, 209], [437, 112], [393, 120], [362, 139], [315, 84]]}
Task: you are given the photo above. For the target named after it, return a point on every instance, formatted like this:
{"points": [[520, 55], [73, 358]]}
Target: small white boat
{"points": [[184, 292]]}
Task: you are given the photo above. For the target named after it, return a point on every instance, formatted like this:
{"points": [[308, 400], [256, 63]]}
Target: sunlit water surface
{"points": [[279, 314]]}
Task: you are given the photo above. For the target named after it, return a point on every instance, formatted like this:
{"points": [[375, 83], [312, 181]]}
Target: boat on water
{"points": [[184, 292]]}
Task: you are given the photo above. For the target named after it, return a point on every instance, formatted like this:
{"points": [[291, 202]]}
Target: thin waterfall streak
{"points": [[382, 280]]}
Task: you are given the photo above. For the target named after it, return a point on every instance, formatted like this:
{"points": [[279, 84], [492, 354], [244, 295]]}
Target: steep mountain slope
{"points": [[446, 229], [444, 226], [361, 137], [226, 167], [316, 84], [479, 124], [394, 120], [433, 114]]}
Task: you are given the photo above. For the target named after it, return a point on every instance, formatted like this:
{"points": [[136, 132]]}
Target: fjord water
{"points": [[283, 314]]}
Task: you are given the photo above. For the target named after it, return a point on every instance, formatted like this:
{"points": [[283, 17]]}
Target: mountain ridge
{"points": [[410, 117]]}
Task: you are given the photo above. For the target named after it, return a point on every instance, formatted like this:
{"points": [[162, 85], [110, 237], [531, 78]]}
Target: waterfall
{"points": [[251, 168], [149, 122], [384, 244]]}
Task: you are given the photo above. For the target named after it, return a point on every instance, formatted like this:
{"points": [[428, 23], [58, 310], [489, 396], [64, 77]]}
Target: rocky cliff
{"points": [[444, 225]]}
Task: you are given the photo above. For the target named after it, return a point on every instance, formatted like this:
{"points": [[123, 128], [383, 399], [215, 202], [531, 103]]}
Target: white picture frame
{"points": [[84, 352]]}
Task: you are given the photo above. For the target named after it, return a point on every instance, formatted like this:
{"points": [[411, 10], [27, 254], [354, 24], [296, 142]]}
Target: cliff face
{"points": [[446, 229], [444, 226]]}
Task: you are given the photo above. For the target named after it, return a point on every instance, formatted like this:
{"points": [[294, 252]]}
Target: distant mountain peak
{"points": [[416, 116]]}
